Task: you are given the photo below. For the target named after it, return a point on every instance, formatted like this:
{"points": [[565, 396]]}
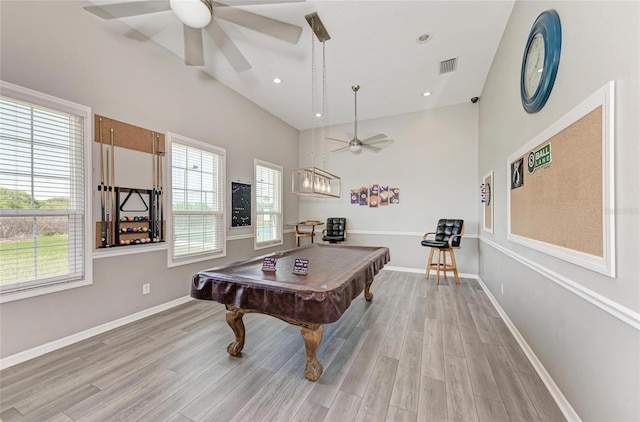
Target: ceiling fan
{"points": [[199, 14], [356, 145]]}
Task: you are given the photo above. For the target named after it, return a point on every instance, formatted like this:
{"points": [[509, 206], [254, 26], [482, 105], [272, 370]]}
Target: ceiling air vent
{"points": [[447, 66]]}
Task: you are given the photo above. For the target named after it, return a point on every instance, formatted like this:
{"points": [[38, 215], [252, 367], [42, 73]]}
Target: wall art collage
{"points": [[375, 196]]}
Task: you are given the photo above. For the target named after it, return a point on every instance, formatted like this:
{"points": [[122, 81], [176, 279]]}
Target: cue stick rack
{"points": [[129, 216]]}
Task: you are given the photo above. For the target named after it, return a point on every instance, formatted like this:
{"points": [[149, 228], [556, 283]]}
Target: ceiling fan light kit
{"points": [[193, 13]]}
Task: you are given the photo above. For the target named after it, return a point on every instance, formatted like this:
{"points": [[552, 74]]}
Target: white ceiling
{"points": [[373, 44]]}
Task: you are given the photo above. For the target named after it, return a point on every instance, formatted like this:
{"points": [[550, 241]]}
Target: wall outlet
{"points": [[501, 288], [146, 288]]}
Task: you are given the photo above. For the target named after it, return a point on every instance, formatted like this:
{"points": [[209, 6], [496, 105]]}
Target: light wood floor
{"points": [[418, 352]]}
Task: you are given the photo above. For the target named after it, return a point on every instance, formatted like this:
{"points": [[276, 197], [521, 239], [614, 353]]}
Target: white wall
{"points": [[433, 160], [583, 326], [57, 48]]}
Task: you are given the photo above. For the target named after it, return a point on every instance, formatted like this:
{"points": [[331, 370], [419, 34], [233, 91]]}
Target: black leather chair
{"points": [[336, 231], [447, 237]]}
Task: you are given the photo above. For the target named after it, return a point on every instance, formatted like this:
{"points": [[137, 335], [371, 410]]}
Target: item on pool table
{"points": [[130, 218], [127, 242], [269, 264], [121, 242], [301, 266]]}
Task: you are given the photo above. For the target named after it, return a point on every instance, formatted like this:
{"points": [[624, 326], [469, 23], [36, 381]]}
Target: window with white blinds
{"points": [[43, 192], [268, 201], [197, 200]]}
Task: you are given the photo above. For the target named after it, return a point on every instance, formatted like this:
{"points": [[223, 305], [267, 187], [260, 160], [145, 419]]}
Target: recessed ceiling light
{"points": [[423, 38], [318, 114], [426, 93], [277, 80]]}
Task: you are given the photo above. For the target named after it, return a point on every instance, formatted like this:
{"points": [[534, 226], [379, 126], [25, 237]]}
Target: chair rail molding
{"points": [[615, 309]]}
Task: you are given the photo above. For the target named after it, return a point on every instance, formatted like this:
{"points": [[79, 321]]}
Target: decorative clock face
{"points": [[540, 61], [534, 65]]}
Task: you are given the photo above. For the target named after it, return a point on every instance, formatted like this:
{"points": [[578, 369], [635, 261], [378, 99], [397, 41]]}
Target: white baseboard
{"points": [[560, 399], [421, 271], [83, 335]]}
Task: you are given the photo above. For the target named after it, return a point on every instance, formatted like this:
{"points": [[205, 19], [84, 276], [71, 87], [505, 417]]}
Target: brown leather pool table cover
{"points": [[337, 274]]}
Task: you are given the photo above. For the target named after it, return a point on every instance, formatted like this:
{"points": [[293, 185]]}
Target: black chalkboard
{"points": [[240, 204]]}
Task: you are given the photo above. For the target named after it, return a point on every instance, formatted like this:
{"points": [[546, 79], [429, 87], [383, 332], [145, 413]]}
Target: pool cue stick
{"points": [[113, 192], [153, 189], [161, 198], [103, 223], [108, 200]]}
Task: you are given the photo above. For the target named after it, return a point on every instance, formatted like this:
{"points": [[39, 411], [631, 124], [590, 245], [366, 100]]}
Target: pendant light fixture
{"points": [[313, 181]]}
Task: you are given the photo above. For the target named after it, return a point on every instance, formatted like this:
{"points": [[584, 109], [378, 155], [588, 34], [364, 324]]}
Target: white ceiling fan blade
{"points": [[339, 140], [228, 48], [341, 149], [374, 138], [281, 30], [257, 2], [193, 52], [123, 10], [371, 148], [382, 143]]}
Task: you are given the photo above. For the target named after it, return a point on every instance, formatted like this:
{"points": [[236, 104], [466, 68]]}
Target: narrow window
{"points": [[197, 201], [268, 199]]}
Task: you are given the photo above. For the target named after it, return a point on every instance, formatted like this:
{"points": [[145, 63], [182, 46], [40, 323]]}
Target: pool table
{"points": [[336, 275]]}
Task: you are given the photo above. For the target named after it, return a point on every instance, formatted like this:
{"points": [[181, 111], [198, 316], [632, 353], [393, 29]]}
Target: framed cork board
{"points": [[560, 195], [487, 202]]}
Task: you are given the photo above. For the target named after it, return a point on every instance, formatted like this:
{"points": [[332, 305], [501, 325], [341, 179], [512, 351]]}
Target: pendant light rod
{"points": [[355, 89]]}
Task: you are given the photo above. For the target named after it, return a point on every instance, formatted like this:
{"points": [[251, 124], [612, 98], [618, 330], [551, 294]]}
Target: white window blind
{"points": [[42, 192], [197, 198], [268, 201]]}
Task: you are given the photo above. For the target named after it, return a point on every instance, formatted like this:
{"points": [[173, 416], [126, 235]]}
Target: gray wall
{"points": [[59, 49], [574, 319], [433, 160]]}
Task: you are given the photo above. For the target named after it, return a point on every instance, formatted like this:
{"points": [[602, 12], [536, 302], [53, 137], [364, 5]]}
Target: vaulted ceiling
{"points": [[373, 44]]}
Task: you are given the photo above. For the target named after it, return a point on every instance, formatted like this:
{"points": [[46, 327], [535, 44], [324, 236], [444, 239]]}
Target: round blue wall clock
{"points": [[540, 61]]}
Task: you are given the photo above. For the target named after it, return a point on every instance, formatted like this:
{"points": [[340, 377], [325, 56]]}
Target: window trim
{"points": [[280, 241], [205, 256], [44, 100]]}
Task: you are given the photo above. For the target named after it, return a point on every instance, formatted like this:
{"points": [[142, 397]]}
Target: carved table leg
{"points": [[234, 319], [312, 335], [367, 294]]}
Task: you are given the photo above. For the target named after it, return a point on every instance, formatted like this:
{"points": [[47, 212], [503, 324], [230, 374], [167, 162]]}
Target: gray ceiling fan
{"points": [[200, 14], [356, 145]]}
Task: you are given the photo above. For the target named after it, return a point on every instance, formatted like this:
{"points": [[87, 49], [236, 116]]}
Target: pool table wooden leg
{"points": [[312, 335], [367, 294], [234, 319]]}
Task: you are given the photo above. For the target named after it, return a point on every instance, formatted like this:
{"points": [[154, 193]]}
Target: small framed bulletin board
{"points": [[487, 202], [560, 187], [240, 205]]}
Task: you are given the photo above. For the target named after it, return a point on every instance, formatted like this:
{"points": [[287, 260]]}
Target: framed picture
{"points": [[240, 205], [487, 202]]}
